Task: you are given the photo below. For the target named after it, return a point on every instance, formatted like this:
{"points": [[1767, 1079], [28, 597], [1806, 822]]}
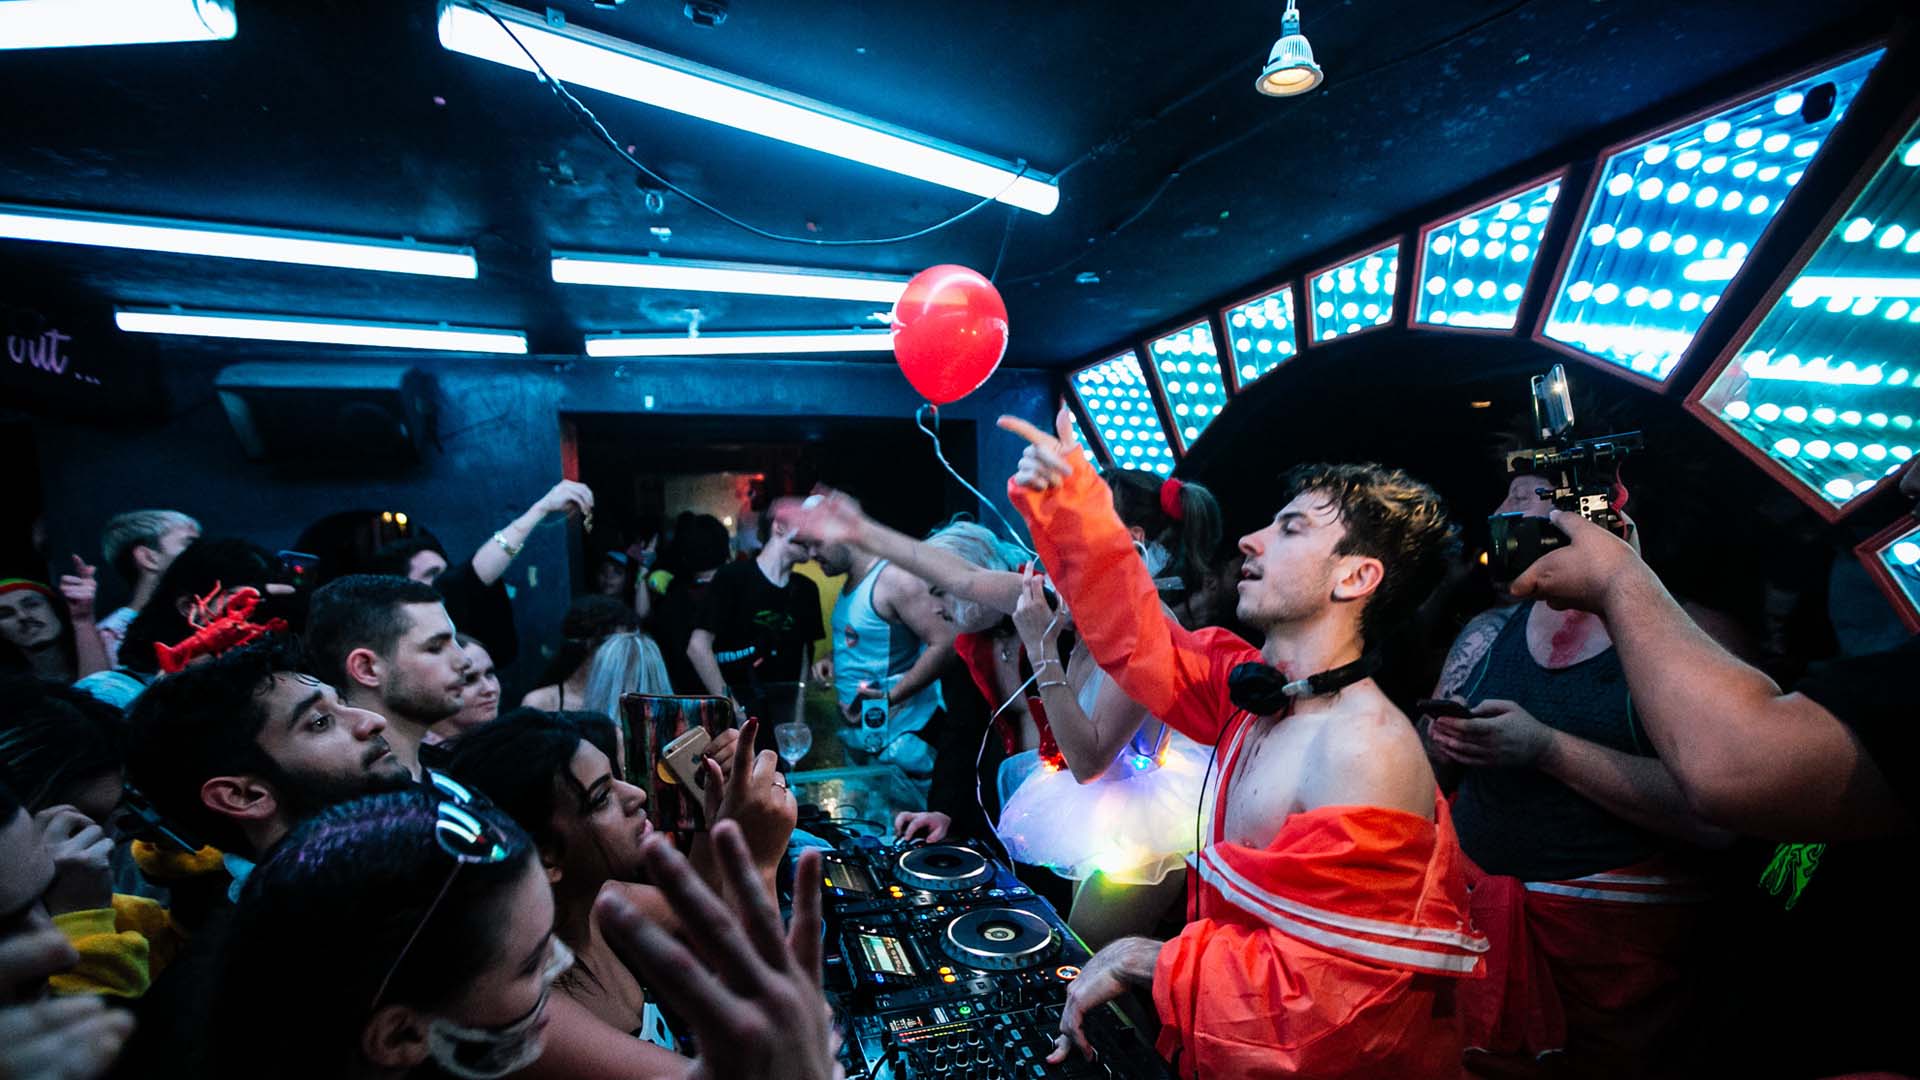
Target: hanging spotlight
{"points": [[1290, 68]]}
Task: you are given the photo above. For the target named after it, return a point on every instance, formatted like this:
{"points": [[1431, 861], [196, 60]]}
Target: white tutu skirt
{"points": [[1135, 825]]}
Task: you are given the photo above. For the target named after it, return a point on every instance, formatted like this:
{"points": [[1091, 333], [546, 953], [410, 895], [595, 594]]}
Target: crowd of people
{"points": [[265, 819]]}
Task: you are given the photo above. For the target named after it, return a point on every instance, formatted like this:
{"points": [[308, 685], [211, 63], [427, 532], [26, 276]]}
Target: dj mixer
{"points": [[939, 963]]}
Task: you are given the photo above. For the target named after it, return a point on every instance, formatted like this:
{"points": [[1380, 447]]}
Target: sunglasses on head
{"points": [[464, 835]]}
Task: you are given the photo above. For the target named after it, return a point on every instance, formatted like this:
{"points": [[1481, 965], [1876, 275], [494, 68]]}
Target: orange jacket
{"points": [[1331, 952]]}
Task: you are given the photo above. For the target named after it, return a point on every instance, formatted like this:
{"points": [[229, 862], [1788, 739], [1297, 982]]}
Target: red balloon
{"points": [[949, 332]]}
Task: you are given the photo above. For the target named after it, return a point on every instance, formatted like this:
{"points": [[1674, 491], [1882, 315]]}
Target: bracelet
{"points": [[1045, 660], [1056, 682], [512, 550]]}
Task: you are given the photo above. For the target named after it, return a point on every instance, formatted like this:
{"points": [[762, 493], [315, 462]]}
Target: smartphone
{"points": [[663, 739], [1442, 707], [299, 567], [684, 758]]}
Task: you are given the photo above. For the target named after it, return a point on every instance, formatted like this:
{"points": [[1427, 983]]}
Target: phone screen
{"points": [[649, 723]]}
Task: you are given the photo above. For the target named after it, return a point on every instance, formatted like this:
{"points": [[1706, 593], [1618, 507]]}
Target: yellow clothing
{"points": [[121, 948], [829, 587]]}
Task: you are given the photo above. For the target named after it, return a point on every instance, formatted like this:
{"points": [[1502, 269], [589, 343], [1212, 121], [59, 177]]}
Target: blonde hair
{"points": [[138, 528], [978, 545], [625, 663]]}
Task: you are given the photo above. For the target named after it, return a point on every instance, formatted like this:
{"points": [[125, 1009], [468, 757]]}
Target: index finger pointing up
{"points": [[1025, 430]]}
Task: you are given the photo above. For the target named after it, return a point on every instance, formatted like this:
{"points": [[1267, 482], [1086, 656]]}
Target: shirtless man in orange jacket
{"points": [[1329, 907]]}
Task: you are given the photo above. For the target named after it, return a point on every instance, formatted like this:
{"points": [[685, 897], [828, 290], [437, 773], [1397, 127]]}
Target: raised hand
{"points": [[825, 517], [752, 995], [79, 589], [1048, 458], [752, 794], [1037, 623], [1584, 572], [565, 496]]}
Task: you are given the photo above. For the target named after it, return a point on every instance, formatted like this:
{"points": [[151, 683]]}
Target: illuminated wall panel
{"points": [[1261, 333], [1474, 268], [1187, 366], [1080, 436], [1355, 295], [1673, 218], [1115, 396], [1893, 558], [1824, 386]]}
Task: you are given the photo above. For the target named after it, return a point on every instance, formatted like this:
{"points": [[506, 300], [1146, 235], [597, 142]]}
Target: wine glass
{"points": [[794, 739]]}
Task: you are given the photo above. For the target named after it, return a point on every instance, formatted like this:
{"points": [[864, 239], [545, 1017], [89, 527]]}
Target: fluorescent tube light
{"points": [[573, 268], [232, 242], [804, 341], [635, 72], [1821, 287], [319, 331], [50, 24]]}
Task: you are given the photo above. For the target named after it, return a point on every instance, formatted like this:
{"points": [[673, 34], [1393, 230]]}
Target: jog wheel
{"points": [[999, 939], [943, 868]]}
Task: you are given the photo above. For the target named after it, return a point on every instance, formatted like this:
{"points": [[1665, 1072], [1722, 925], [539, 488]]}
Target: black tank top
{"points": [[1523, 823]]}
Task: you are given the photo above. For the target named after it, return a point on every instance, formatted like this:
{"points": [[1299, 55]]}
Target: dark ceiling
{"points": [[1181, 186]]}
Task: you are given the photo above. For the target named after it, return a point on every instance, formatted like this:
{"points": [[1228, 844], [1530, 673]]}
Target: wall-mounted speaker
{"points": [[362, 412]]}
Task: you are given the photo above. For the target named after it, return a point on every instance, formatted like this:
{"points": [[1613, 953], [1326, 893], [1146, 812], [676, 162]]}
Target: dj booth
{"points": [[939, 963]]}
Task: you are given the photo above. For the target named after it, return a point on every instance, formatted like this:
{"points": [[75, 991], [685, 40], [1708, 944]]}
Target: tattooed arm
{"points": [[1468, 650]]}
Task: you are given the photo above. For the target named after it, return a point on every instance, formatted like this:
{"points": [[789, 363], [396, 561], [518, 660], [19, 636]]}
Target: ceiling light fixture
{"points": [[319, 331], [647, 272], [232, 242], [1290, 68], [746, 344], [52, 24], [637, 73]]}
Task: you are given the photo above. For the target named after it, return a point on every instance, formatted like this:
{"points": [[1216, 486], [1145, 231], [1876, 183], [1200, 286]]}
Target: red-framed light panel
{"points": [[1892, 557], [1354, 295], [1185, 365], [1262, 333], [1670, 217], [1115, 397], [1473, 269], [1821, 386]]}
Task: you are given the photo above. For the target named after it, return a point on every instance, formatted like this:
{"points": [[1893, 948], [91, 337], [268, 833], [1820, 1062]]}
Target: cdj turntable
{"points": [[939, 963]]}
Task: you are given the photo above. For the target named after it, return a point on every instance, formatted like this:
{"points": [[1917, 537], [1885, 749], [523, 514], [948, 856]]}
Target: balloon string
{"points": [[920, 421]]}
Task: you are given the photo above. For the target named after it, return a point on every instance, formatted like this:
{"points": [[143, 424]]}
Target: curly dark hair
{"points": [[1388, 516]]}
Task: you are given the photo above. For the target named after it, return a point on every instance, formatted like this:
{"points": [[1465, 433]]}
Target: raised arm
{"points": [[494, 556], [1089, 743], [834, 518], [1747, 756], [1177, 675]]}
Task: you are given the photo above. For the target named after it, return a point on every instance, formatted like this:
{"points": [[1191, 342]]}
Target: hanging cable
{"points": [[920, 421], [585, 116]]}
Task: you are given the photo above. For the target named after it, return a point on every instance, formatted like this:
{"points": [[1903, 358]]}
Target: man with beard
{"points": [[234, 752], [387, 644], [890, 643]]}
